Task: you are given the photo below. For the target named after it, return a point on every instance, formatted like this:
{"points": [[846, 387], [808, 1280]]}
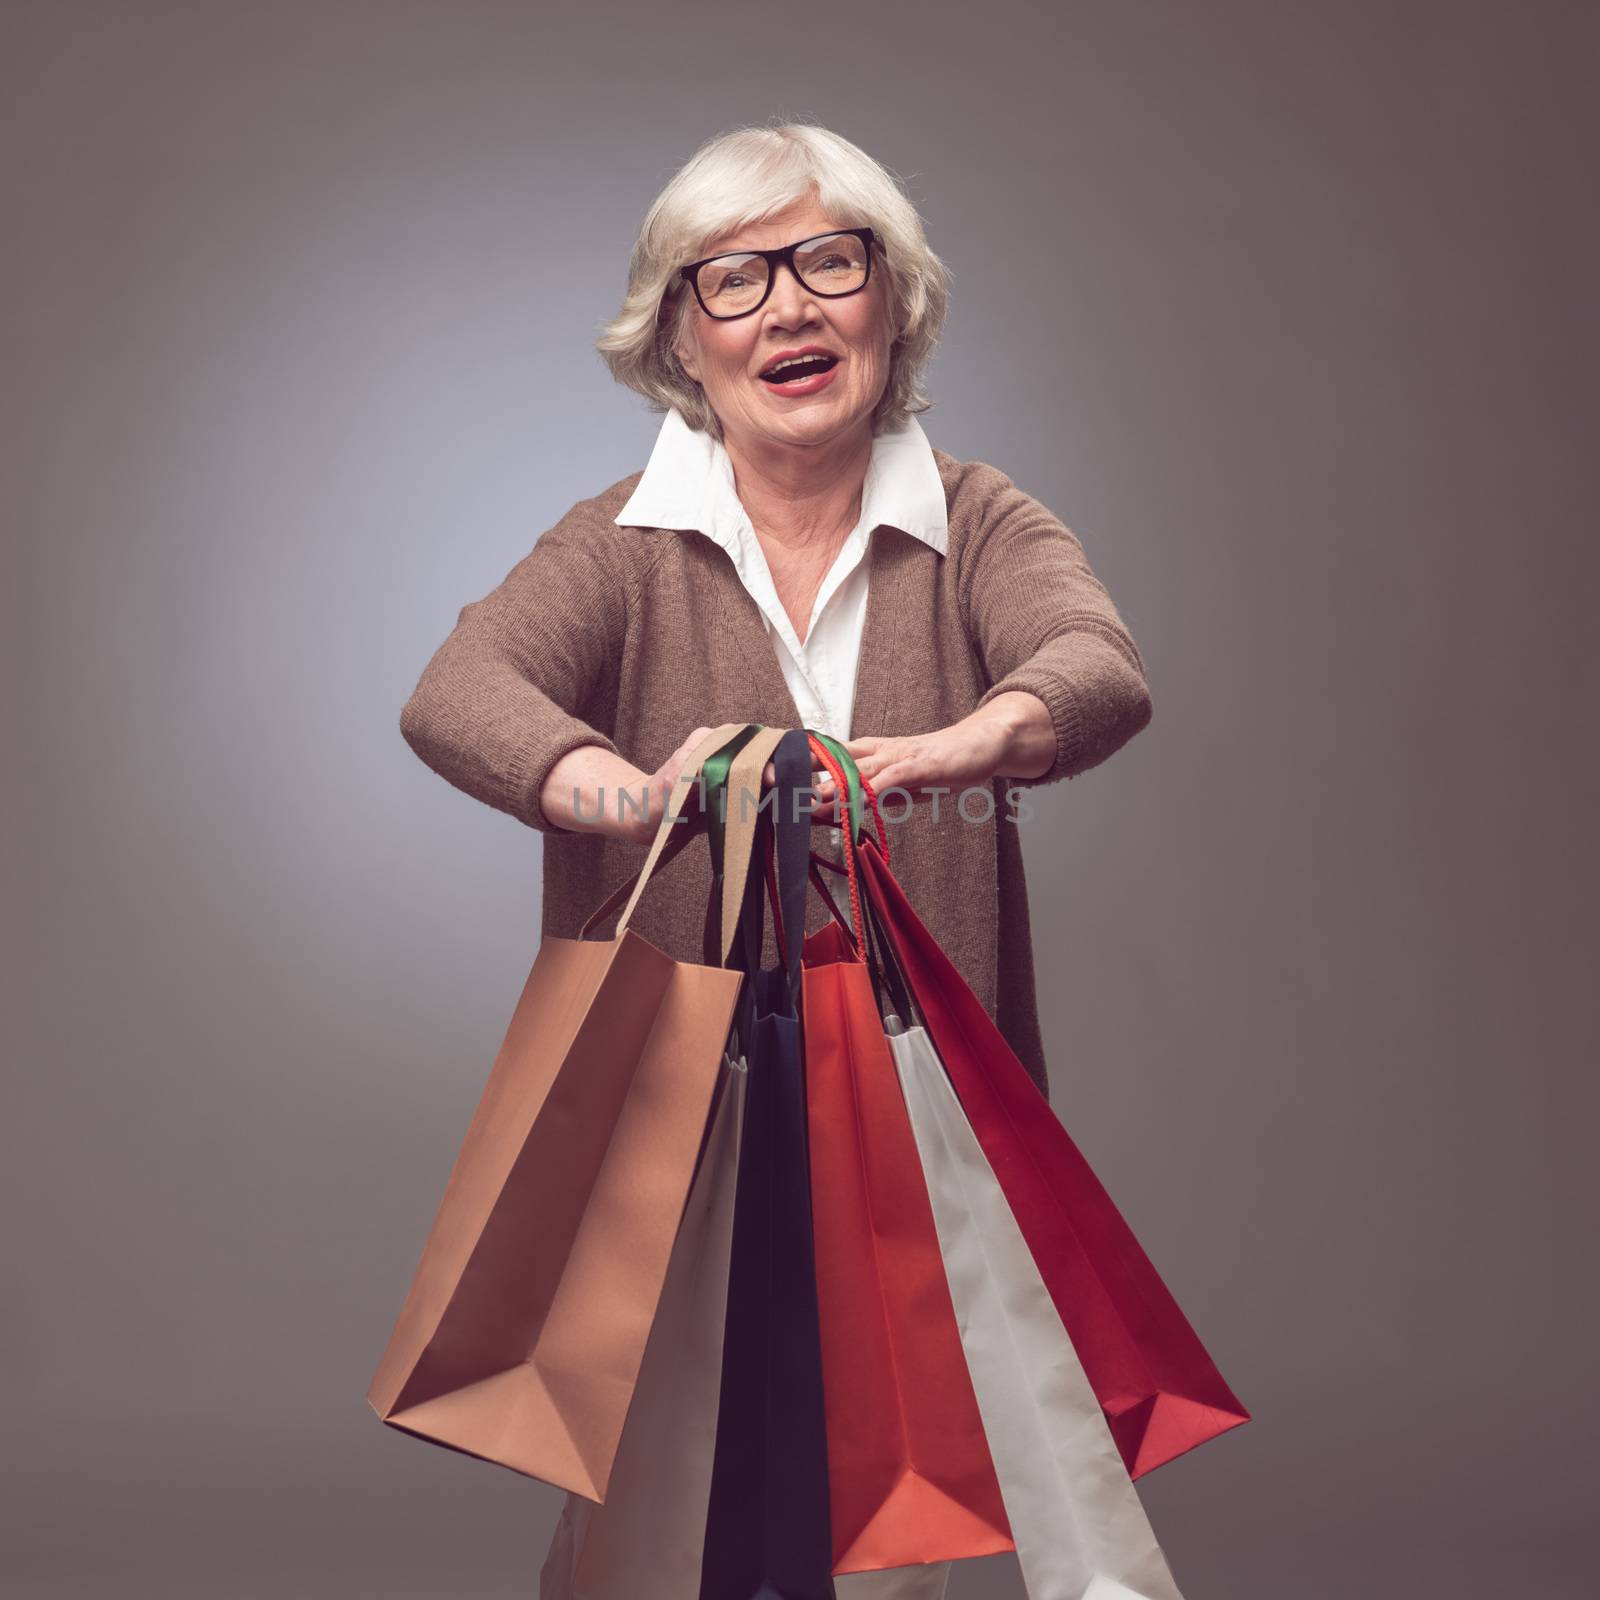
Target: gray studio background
{"points": [[1282, 307]]}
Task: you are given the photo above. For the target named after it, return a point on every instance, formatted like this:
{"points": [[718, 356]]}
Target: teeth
{"points": [[792, 361]]}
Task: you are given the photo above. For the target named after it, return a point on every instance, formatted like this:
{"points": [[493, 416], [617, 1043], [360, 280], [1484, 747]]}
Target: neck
{"points": [[802, 494]]}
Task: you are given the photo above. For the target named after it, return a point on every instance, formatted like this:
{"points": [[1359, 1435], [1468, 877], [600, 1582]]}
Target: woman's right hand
{"points": [[645, 801], [593, 790], [654, 791], [590, 790]]}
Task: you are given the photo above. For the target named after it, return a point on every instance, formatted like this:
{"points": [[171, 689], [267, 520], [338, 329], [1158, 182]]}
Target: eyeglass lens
{"points": [[832, 265]]}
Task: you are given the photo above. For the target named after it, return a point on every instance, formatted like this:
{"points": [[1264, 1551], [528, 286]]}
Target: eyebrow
{"points": [[751, 250]]}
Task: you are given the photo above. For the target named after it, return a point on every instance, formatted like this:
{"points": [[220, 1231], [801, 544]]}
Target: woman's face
{"points": [[726, 357]]}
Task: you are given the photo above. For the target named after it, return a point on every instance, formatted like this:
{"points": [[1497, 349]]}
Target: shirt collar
{"points": [[688, 483]]}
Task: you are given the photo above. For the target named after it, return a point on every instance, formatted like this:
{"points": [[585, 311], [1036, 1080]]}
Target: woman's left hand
{"points": [[1013, 733]]}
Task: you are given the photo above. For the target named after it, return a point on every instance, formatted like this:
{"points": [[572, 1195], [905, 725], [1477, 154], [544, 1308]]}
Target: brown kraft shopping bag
{"points": [[522, 1335]]}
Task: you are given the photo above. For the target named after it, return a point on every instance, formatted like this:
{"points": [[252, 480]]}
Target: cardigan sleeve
{"points": [[1041, 621], [510, 690]]}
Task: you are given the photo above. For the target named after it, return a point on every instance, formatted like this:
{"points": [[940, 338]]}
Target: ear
{"points": [[688, 358], [684, 348]]}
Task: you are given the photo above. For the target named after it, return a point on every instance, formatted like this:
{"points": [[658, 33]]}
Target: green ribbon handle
{"points": [[852, 778], [714, 772]]}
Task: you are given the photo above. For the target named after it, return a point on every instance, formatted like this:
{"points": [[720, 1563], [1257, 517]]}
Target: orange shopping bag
{"points": [[910, 1475]]}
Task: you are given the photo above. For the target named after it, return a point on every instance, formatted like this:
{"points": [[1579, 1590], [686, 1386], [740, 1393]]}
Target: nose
{"points": [[790, 301]]}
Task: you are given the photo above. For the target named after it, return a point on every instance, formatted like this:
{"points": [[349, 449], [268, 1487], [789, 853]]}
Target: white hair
{"points": [[743, 176]]}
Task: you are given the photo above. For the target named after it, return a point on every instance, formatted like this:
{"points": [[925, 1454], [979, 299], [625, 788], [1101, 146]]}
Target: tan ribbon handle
{"points": [[744, 776], [669, 828]]}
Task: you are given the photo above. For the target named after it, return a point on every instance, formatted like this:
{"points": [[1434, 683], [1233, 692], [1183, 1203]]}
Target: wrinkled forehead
{"points": [[774, 232]]}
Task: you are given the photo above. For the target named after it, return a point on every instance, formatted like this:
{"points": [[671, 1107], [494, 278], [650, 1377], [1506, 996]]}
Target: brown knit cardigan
{"points": [[630, 638]]}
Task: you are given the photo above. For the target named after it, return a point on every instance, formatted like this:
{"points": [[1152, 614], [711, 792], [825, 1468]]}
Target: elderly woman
{"points": [[795, 553]]}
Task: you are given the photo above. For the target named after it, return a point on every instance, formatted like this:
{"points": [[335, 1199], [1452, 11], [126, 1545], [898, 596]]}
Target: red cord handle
{"points": [[826, 757]]}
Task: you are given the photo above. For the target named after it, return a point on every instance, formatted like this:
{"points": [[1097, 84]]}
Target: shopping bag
{"points": [[1161, 1391], [909, 1471], [522, 1335], [766, 1531], [648, 1536], [1081, 1532]]}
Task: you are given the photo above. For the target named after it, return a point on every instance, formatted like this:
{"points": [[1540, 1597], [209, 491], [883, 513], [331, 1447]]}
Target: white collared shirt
{"points": [[689, 484]]}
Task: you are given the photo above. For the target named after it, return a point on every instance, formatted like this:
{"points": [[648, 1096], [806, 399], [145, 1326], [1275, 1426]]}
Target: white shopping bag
{"points": [[648, 1536], [1080, 1528]]}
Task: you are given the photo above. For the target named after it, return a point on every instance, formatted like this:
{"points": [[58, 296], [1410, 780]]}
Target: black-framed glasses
{"points": [[738, 282]]}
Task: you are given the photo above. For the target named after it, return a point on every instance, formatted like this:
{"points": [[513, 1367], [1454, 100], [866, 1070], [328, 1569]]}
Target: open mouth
{"points": [[796, 369]]}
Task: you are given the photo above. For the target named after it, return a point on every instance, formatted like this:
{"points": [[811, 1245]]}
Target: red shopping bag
{"points": [[909, 1472], [1160, 1390]]}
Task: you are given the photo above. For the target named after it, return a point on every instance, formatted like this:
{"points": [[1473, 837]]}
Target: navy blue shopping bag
{"points": [[767, 1527]]}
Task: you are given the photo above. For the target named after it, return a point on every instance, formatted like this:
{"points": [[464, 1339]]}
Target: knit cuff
{"points": [[529, 771], [1065, 717]]}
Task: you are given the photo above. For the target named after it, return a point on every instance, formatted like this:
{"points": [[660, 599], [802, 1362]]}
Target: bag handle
{"points": [[792, 835], [847, 844], [879, 953], [785, 876], [847, 776], [850, 933], [857, 788], [733, 837], [867, 937], [671, 835]]}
